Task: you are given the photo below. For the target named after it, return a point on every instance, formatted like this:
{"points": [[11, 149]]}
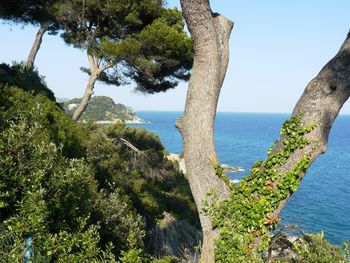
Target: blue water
{"points": [[322, 201]]}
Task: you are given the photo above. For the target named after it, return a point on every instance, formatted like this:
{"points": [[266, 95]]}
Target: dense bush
{"points": [[25, 77], [154, 184], [40, 191], [60, 128], [313, 248], [77, 188]]}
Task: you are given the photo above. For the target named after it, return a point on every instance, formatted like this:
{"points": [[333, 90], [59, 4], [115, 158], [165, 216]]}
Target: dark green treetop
{"points": [[30, 12], [138, 40]]}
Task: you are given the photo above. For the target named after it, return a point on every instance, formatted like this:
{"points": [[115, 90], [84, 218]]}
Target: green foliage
{"points": [[134, 254], [118, 221], [62, 131], [152, 182], [78, 246], [140, 137], [25, 77], [115, 19], [30, 12], [219, 171], [107, 159], [245, 218], [101, 108], [168, 259], [249, 211], [75, 192], [75, 207], [166, 54], [137, 41], [39, 183], [315, 249], [43, 192], [20, 143]]}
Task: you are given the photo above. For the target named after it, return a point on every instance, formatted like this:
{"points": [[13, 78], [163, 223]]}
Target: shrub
{"points": [[35, 199], [60, 128], [118, 220], [313, 248], [66, 183], [25, 77]]}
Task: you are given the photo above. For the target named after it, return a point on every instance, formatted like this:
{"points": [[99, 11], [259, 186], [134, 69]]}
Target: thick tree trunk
{"points": [[210, 33], [37, 42], [95, 72], [320, 103]]}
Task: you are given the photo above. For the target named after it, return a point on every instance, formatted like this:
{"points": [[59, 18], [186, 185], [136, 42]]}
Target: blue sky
{"points": [[276, 48]]}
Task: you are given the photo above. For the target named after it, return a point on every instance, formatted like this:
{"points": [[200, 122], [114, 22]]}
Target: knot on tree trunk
{"points": [[179, 124]]}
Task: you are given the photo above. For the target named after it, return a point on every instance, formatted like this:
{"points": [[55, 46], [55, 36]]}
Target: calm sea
{"points": [[322, 201]]}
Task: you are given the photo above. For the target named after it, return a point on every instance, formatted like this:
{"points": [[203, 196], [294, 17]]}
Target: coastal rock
{"points": [[182, 167], [231, 169], [281, 247], [135, 120]]}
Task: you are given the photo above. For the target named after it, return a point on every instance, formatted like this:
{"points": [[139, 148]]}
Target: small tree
{"points": [[138, 40], [34, 12]]}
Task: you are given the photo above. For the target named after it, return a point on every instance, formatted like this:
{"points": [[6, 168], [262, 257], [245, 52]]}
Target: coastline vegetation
{"points": [[83, 195], [76, 189], [100, 108], [245, 219]]}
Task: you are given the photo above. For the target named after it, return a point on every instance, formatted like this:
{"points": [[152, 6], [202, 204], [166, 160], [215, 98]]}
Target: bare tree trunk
{"points": [[37, 42], [95, 72], [210, 33], [320, 103]]}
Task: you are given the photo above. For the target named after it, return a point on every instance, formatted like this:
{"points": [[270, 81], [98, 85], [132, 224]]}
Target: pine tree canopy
{"points": [[138, 40]]}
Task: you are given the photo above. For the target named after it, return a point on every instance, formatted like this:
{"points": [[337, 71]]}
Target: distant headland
{"points": [[102, 110]]}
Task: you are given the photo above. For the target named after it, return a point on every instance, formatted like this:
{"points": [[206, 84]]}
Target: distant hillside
{"points": [[101, 108]]}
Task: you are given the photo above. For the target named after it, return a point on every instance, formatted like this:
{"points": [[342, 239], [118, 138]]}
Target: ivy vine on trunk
{"points": [[252, 210]]}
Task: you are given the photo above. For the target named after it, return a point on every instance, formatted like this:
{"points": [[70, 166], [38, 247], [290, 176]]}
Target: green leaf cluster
{"points": [[219, 171], [24, 77], [76, 188], [248, 214], [46, 196], [313, 248]]}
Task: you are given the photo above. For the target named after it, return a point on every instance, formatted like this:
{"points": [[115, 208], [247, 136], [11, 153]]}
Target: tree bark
{"points": [[320, 103], [210, 33], [37, 42], [95, 72]]}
